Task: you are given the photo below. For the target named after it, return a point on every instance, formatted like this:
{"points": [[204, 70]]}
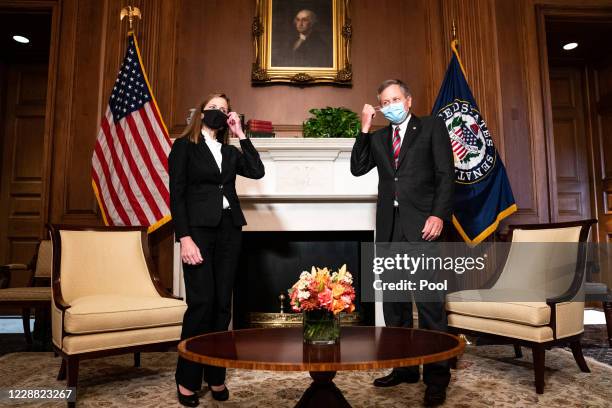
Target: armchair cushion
{"points": [[96, 262], [481, 303], [126, 338], [538, 334], [106, 313]]}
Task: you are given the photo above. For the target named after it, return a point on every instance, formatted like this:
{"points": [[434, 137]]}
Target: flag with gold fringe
{"points": [[130, 158], [483, 196]]}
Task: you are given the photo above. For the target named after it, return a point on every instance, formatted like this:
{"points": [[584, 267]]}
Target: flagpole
{"points": [[455, 48]]}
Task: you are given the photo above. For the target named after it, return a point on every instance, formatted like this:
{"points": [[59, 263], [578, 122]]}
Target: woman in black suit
{"points": [[208, 223]]}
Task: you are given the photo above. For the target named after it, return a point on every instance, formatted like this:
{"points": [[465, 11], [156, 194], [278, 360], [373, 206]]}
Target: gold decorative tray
{"points": [[259, 319]]}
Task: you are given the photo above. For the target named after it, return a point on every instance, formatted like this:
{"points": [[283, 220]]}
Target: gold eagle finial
{"points": [[130, 12]]}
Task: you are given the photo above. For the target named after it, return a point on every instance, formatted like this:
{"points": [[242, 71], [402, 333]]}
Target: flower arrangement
{"points": [[321, 290]]}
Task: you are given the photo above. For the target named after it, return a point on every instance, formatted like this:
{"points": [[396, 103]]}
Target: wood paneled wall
{"points": [[192, 47]]}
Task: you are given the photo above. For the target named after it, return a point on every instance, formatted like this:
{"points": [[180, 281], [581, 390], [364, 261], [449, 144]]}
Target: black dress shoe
{"points": [[434, 396], [394, 379], [222, 395], [187, 400]]}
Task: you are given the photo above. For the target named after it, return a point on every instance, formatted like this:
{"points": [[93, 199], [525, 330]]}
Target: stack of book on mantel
{"points": [[259, 128]]}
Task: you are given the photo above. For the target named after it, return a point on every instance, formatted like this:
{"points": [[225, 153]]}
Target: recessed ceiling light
{"points": [[21, 39], [570, 46]]}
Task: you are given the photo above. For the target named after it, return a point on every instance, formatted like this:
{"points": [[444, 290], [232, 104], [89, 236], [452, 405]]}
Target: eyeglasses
{"points": [[394, 100], [213, 106]]}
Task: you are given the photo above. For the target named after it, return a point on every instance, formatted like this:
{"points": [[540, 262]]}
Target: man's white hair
{"points": [[311, 14]]}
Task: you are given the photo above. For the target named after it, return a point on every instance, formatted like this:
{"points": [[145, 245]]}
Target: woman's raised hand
{"points": [[233, 121]]}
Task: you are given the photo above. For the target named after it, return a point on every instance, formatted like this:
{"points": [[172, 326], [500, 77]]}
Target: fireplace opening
{"points": [[271, 262]]}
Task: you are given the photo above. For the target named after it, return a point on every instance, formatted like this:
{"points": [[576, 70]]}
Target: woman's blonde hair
{"points": [[193, 129]]}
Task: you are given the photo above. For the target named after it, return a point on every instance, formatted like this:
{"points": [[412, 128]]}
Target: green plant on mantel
{"points": [[332, 122]]}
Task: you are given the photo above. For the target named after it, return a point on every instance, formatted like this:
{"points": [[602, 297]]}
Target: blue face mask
{"points": [[395, 112]]}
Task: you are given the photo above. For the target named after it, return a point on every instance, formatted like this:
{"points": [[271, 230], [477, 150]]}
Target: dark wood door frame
{"points": [[570, 12], [54, 8]]}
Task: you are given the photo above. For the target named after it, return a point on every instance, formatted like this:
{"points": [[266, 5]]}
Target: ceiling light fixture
{"points": [[570, 46], [21, 39]]}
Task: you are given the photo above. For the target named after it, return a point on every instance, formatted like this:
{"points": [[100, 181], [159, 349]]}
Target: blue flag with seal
{"points": [[483, 196]]}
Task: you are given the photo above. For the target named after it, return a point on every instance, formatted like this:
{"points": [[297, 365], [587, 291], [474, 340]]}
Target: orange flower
{"points": [[337, 290]]}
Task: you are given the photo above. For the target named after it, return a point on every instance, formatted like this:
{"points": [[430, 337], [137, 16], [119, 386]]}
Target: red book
{"points": [[259, 122], [258, 128]]}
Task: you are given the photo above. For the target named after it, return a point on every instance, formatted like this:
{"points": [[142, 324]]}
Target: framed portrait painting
{"points": [[302, 42]]}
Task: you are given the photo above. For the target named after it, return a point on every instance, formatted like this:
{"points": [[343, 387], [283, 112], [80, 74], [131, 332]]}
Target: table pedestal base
{"points": [[323, 392]]}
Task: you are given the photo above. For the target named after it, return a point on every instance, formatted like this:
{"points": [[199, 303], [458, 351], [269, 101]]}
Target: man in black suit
{"points": [[414, 160]]}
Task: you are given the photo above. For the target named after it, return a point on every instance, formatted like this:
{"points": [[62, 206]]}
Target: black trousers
{"points": [[432, 316], [209, 287]]}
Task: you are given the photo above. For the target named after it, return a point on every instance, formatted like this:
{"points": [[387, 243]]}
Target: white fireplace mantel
{"points": [[308, 186]]}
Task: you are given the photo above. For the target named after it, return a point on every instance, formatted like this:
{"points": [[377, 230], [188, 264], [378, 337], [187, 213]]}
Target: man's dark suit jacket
{"points": [[424, 180], [197, 186], [313, 52]]}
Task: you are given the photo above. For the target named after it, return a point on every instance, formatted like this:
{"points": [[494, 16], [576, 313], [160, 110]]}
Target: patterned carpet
{"points": [[487, 376], [595, 344]]}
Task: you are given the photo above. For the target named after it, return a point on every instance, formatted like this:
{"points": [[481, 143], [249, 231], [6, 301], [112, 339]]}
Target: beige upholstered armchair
{"points": [[539, 290], [36, 294], [106, 297]]}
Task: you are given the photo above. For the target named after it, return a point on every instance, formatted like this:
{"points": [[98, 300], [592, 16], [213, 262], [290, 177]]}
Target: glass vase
{"points": [[321, 327]]}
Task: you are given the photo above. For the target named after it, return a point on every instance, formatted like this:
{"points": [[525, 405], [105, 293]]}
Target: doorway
{"points": [[25, 137], [577, 70], [576, 63]]}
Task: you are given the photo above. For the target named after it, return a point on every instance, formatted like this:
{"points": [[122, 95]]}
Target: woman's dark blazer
{"points": [[197, 186]]}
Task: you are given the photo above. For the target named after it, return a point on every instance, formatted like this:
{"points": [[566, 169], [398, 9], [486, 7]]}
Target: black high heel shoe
{"points": [[187, 400], [222, 395]]}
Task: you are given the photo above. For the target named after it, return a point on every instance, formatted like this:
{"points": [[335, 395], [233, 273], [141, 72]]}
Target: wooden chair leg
{"points": [[61, 375], [136, 359], [518, 353], [607, 306], [539, 357], [73, 377], [25, 318], [577, 352]]}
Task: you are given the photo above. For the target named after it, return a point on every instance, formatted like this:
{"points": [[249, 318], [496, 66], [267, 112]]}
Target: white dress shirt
{"points": [[402, 126], [299, 42], [402, 131], [215, 149]]}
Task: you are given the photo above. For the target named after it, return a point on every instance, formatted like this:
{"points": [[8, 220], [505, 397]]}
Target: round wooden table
{"points": [[360, 348]]}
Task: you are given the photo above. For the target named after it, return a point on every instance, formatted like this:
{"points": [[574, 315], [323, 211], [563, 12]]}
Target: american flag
{"points": [[458, 143], [463, 140], [130, 158]]}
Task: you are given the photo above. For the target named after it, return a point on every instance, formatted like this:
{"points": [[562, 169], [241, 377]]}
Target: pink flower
{"points": [[325, 298], [313, 286]]}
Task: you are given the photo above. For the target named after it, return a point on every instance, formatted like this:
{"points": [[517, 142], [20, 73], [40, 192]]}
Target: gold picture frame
{"points": [[302, 42]]}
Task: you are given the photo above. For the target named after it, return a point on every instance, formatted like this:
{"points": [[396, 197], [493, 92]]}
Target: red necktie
{"points": [[397, 143]]}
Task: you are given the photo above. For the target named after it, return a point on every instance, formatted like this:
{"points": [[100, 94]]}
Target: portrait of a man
{"points": [[302, 34]]}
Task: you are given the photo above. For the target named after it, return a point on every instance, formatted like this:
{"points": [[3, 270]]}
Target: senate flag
{"points": [[130, 158], [483, 196]]}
